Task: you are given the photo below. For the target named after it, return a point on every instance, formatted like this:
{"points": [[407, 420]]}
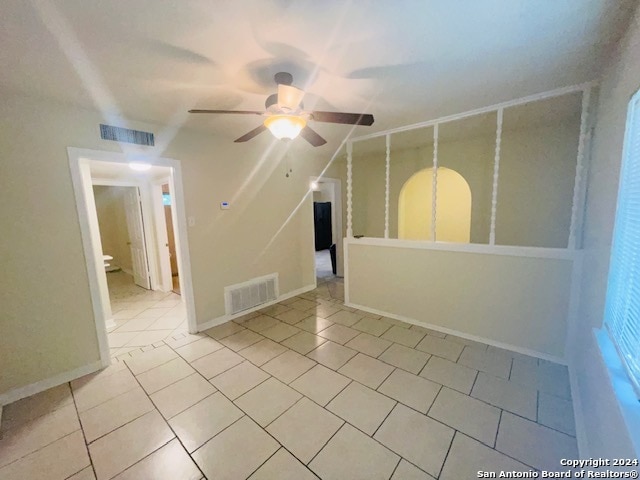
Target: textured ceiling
{"points": [[404, 61]]}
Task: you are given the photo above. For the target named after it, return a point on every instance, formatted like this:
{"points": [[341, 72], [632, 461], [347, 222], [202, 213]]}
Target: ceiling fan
{"points": [[286, 117]]}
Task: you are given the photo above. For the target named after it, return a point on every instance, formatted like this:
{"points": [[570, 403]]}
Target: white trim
{"points": [[81, 178], [491, 108], [496, 174], [346, 241], [225, 318], [535, 252], [387, 185], [434, 183], [578, 180], [578, 414], [349, 189], [37, 387], [108, 182], [488, 341]]}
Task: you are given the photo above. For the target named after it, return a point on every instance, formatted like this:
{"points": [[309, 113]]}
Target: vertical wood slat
{"points": [[577, 182], [434, 185], [349, 189], [387, 187], [496, 173]]}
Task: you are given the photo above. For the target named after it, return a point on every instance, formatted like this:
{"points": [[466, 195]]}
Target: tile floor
{"points": [[304, 389], [324, 272], [143, 317]]}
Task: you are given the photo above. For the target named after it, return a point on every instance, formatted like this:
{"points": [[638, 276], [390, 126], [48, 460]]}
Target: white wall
{"points": [[605, 433], [47, 325]]}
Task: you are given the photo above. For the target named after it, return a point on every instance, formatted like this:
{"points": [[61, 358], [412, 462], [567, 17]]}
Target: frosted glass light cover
{"points": [[285, 126]]}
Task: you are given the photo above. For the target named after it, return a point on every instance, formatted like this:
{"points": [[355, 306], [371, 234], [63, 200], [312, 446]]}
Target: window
{"points": [[622, 311]]}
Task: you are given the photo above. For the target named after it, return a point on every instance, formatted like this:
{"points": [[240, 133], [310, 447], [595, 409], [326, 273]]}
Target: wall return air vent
{"points": [[119, 134], [246, 295]]}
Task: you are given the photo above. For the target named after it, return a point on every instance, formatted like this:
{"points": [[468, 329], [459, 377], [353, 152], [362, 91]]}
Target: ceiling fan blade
{"points": [[249, 135], [289, 96], [312, 136], [342, 117], [241, 112]]}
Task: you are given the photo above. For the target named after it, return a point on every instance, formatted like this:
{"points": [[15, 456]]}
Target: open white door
{"points": [[133, 210]]}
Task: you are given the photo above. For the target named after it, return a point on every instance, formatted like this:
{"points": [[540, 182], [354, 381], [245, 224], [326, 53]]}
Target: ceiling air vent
{"points": [[119, 134]]}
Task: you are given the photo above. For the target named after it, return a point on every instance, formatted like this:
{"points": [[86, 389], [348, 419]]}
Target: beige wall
{"points": [[46, 319], [535, 191], [605, 432], [537, 170], [112, 219], [518, 301]]}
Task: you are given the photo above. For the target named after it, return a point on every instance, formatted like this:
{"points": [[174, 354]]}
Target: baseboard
{"points": [[225, 318], [578, 415], [437, 328], [28, 390]]}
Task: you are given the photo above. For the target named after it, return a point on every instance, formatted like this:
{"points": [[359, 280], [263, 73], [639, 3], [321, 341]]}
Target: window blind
{"points": [[622, 310]]}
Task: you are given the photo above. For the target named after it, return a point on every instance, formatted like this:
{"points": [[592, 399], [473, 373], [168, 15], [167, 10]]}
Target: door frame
{"points": [[336, 226], [164, 267], [79, 165]]}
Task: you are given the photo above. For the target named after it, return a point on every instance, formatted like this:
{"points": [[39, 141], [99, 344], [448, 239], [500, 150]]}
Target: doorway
{"points": [[134, 304], [327, 220]]}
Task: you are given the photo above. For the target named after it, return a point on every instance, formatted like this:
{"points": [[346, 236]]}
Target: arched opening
{"points": [[453, 207]]}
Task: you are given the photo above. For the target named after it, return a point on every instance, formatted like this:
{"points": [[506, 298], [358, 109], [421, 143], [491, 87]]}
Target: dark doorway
{"points": [[322, 225]]}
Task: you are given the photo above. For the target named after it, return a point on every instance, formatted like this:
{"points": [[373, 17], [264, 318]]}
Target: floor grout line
{"points": [[84, 436], [175, 435], [173, 338]]}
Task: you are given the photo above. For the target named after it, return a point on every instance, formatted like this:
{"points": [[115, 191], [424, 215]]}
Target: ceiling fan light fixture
{"points": [[285, 126]]}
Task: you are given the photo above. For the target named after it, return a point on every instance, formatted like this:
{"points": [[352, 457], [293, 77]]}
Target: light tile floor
{"points": [[324, 271], [395, 401], [143, 317]]}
